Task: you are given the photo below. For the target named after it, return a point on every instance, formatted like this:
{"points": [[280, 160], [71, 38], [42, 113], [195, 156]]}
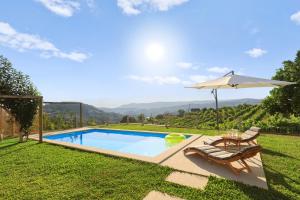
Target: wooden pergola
{"points": [[40, 98], [40, 114]]}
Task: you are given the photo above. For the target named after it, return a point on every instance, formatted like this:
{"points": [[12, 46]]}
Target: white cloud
{"points": [[161, 80], [135, 7], [256, 52], [187, 65], [65, 8], [184, 65], [75, 56], [164, 5], [91, 4], [22, 41], [218, 69], [296, 17], [128, 6], [171, 80]]}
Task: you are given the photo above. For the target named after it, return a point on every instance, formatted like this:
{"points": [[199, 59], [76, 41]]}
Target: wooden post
{"points": [[215, 93], [41, 119], [1, 126], [217, 108], [81, 122], [1, 119]]}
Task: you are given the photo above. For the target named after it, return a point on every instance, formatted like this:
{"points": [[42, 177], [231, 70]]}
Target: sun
{"points": [[155, 52]]}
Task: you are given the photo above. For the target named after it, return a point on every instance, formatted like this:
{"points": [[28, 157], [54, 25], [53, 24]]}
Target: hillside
{"points": [[89, 112], [156, 108]]}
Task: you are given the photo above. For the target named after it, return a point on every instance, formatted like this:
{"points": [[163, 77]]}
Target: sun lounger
{"points": [[247, 137], [220, 156]]}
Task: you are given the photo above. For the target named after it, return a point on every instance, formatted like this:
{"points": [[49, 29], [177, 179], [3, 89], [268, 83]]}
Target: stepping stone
{"points": [[186, 179], [154, 195]]}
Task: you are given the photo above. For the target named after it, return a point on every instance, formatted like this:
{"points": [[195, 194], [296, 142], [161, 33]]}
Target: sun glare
{"points": [[155, 52]]}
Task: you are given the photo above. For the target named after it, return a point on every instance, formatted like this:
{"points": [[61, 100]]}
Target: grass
{"points": [[43, 171]]}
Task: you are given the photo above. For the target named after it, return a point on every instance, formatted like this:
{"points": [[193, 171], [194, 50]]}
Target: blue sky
{"points": [[112, 52]]}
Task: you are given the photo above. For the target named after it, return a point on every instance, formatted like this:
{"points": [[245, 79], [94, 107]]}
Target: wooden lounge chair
{"points": [[220, 156], [247, 137]]}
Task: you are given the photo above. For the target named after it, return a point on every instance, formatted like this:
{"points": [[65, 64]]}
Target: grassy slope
{"points": [[43, 171]]}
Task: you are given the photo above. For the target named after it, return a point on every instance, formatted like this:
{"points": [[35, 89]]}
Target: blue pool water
{"points": [[140, 143]]}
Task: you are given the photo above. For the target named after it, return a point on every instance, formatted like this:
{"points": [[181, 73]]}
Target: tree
{"points": [[13, 82], [150, 119], [128, 119], [286, 100], [181, 113], [159, 117], [141, 118], [91, 121]]}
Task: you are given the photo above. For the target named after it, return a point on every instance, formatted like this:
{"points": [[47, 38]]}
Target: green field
{"points": [[43, 171]]}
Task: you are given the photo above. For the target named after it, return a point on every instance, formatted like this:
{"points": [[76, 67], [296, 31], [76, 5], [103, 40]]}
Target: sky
{"points": [[112, 52]]}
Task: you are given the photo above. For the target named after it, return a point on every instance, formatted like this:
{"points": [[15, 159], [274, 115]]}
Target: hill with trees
{"points": [[156, 108], [63, 116]]}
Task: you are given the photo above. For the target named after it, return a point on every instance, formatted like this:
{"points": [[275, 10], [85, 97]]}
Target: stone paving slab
{"points": [[154, 195], [187, 179]]}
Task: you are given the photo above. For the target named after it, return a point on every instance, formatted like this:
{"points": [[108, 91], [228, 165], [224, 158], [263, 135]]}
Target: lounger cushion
{"points": [[250, 148], [245, 136], [256, 129], [249, 134], [212, 140], [207, 149], [253, 132], [224, 156], [214, 152]]}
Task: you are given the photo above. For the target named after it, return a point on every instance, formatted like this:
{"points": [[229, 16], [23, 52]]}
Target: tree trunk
{"points": [[20, 136]]}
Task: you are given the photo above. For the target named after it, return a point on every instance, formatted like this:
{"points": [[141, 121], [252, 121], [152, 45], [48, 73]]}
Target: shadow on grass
{"points": [[275, 153], [258, 193], [277, 178], [226, 189], [15, 150], [9, 145]]}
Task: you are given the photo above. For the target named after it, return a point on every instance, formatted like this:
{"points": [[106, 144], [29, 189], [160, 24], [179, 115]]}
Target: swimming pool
{"points": [[132, 142]]}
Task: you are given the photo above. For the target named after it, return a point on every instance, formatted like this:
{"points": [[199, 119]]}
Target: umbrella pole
{"points": [[215, 93]]}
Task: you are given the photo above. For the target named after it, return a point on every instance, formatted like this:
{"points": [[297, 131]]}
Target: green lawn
{"points": [[43, 171]]}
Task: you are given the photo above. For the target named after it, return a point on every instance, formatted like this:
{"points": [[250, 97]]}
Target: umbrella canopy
{"points": [[237, 81]]}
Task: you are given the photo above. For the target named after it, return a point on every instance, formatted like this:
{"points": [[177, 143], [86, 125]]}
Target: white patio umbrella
{"points": [[232, 81]]}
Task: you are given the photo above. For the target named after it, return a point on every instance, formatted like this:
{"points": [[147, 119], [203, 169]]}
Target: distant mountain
{"points": [[156, 108], [88, 112]]}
